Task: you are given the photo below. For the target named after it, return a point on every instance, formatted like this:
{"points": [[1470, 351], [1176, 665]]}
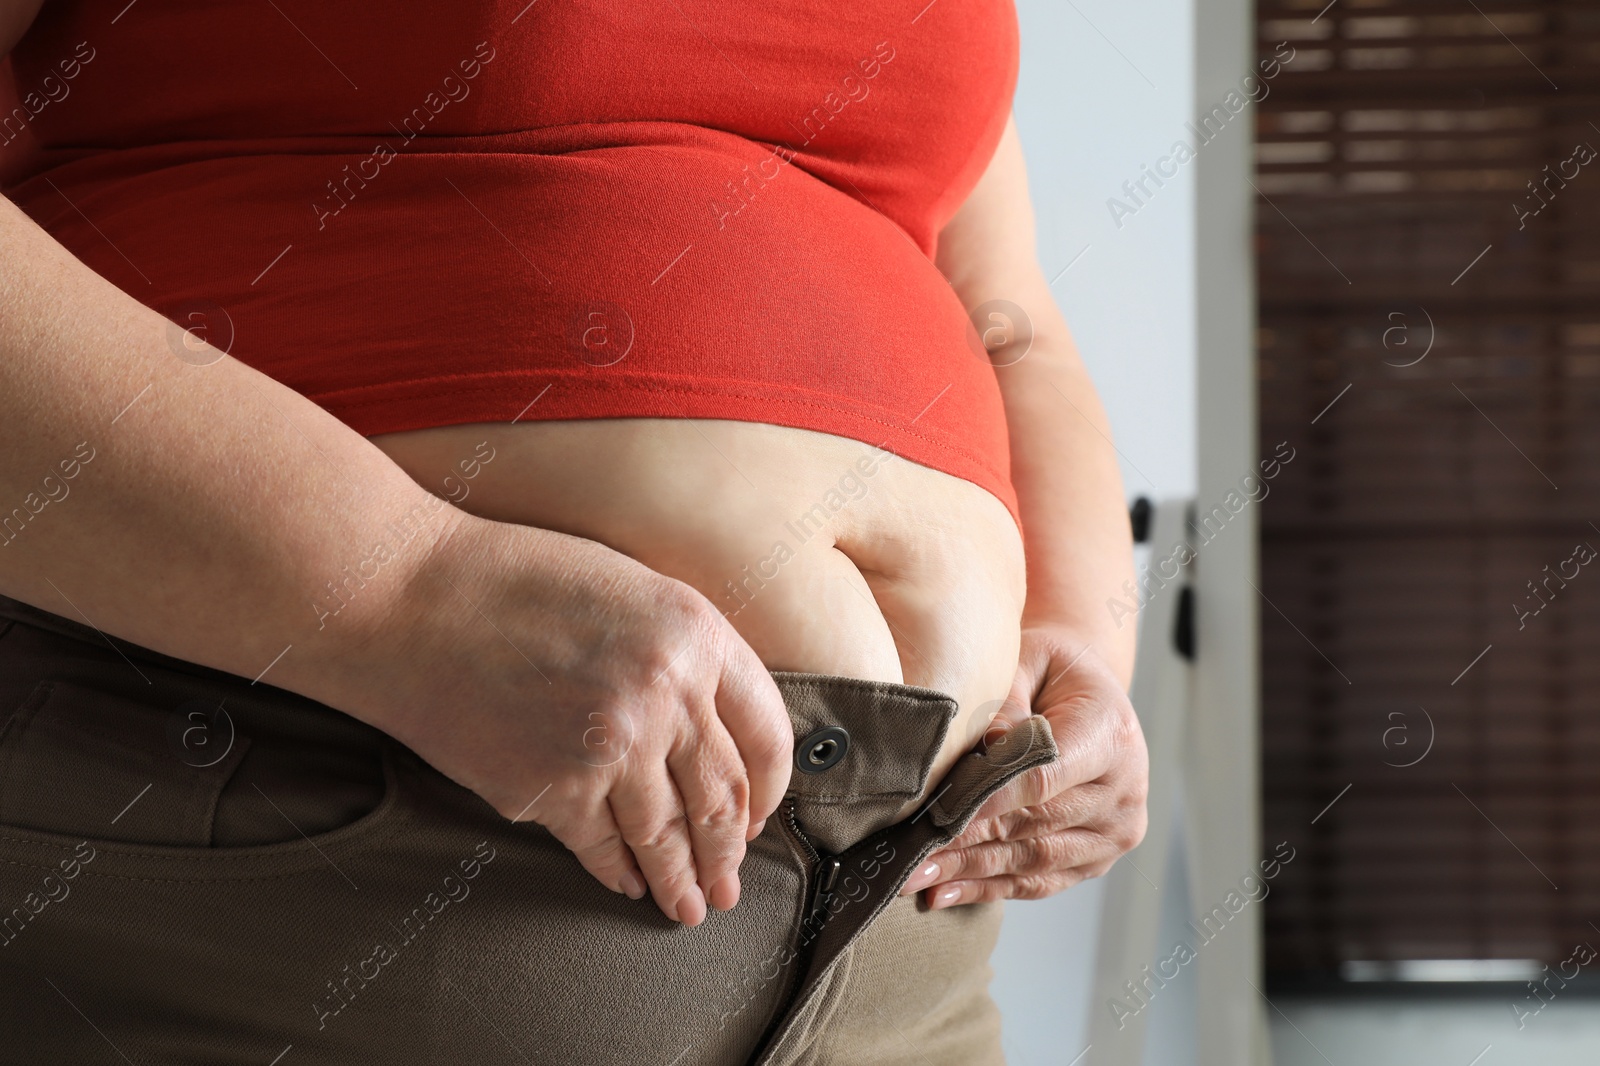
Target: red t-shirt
{"points": [[427, 214]]}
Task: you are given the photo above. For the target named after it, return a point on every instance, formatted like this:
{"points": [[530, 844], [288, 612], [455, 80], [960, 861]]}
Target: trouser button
{"points": [[821, 750]]}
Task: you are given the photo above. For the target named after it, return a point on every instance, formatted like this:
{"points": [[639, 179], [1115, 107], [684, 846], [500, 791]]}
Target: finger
{"points": [[1096, 805], [597, 842], [1030, 789], [1026, 857], [650, 817], [1090, 743], [930, 872], [993, 889], [752, 711], [1020, 887], [709, 775], [959, 893]]}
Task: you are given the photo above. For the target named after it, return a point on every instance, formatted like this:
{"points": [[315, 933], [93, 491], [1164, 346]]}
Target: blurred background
{"points": [[1375, 265]]}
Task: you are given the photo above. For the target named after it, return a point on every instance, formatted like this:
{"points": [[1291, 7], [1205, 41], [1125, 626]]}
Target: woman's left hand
{"points": [[1068, 820]]}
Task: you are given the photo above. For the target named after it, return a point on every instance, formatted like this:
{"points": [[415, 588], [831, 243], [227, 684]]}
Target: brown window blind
{"points": [[1429, 343]]}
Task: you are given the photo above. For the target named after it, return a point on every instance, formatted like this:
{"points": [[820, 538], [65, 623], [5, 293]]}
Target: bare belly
{"points": [[826, 554]]}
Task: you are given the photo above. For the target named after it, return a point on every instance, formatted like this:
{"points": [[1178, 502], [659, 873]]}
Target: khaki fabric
{"points": [[916, 991], [195, 869]]}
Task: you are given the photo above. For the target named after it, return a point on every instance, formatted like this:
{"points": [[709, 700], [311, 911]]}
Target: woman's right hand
{"points": [[567, 684]]}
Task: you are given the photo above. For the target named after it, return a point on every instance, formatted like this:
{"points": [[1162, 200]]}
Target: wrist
{"points": [[362, 617]]}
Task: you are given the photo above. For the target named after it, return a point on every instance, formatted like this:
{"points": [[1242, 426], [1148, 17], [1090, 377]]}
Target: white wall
{"points": [[1105, 89], [1089, 122]]}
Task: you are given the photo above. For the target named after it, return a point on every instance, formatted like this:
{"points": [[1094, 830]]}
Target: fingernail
{"points": [[755, 830], [632, 886], [725, 893], [926, 875], [947, 897], [692, 907]]}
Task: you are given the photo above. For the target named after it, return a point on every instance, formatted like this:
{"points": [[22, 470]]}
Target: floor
{"points": [[1466, 1032]]}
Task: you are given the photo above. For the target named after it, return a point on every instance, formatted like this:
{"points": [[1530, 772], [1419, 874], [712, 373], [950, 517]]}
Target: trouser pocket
{"points": [[80, 761]]}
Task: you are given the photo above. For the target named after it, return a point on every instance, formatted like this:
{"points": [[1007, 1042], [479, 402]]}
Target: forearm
{"points": [[1075, 517], [204, 511]]}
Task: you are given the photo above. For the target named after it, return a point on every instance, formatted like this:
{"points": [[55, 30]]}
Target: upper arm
{"points": [[15, 18], [987, 250]]}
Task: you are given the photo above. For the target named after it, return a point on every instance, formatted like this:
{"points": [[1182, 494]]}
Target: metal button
{"points": [[821, 750]]}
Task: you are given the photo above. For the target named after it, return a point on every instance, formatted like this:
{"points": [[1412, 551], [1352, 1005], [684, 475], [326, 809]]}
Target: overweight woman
{"points": [[552, 532]]}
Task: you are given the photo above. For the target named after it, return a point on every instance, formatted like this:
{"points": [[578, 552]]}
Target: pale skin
{"points": [[218, 502]]}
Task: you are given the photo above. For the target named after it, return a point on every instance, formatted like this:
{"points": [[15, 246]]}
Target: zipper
{"points": [[827, 866]]}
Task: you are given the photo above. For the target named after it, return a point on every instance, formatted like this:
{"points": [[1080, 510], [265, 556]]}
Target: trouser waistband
{"points": [[864, 750]]}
